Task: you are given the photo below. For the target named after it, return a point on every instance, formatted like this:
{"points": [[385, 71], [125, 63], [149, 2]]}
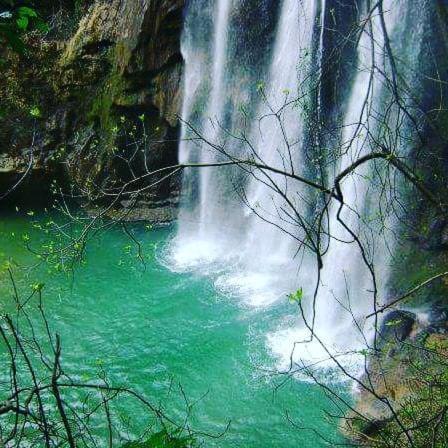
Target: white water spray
{"points": [[253, 258]]}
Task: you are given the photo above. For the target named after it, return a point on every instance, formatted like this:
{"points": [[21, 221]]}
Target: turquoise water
{"points": [[153, 329]]}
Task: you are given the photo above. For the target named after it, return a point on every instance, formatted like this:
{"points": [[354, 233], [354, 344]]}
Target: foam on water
{"points": [[265, 288], [297, 353], [193, 253], [258, 288], [254, 288]]}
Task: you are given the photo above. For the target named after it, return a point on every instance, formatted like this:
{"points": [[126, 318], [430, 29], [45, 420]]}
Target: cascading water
{"points": [[219, 227], [345, 295], [214, 111], [251, 245], [208, 219], [347, 290], [280, 145]]}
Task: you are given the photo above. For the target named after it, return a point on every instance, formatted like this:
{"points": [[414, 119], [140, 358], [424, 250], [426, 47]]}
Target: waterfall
{"points": [[214, 111], [217, 227], [278, 145], [204, 195], [345, 297], [238, 225]]}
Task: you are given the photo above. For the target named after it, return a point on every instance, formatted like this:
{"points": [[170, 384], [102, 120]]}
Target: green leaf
{"points": [[297, 296], [25, 11], [22, 23], [12, 38], [42, 26], [393, 323], [163, 439], [37, 286], [35, 112]]}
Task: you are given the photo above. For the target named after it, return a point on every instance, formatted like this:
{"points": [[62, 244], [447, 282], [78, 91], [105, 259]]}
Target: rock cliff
{"points": [[94, 97]]}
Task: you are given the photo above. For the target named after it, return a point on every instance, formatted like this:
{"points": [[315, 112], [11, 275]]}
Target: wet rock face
{"points": [[122, 62], [134, 45], [410, 346]]}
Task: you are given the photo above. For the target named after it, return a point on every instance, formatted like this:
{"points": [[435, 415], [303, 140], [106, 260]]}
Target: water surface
{"points": [[150, 327]]}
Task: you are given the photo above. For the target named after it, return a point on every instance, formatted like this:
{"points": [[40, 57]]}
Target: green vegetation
{"points": [[90, 100], [15, 20]]}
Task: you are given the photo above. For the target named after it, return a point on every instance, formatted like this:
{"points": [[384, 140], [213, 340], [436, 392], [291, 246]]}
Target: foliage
{"points": [[28, 63], [296, 297], [15, 21], [422, 407]]}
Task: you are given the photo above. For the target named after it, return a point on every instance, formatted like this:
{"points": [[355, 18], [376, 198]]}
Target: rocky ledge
{"points": [[406, 342]]}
